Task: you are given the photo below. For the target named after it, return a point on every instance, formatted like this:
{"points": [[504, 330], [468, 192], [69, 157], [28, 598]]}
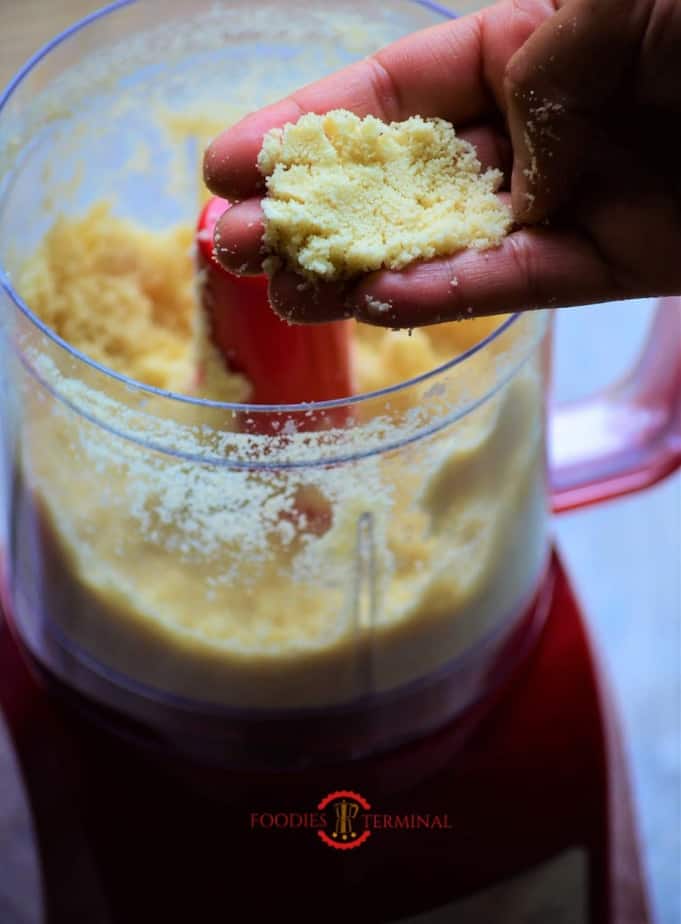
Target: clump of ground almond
{"points": [[347, 195]]}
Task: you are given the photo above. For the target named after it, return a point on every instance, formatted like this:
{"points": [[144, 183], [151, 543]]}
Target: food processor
{"points": [[313, 655]]}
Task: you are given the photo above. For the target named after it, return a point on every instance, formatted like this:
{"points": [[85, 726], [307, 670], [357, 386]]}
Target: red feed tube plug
{"points": [[284, 363]]}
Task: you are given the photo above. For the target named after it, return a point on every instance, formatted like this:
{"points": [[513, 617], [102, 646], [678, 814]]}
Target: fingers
{"points": [[531, 269], [238, 238], [555, 87], [296, 300], [435, 72]]}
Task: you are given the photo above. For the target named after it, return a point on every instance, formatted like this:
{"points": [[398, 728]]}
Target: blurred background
{"points": [[625, 559]]}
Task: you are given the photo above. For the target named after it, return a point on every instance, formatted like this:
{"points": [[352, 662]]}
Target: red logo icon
{"points": [[345, 809]]}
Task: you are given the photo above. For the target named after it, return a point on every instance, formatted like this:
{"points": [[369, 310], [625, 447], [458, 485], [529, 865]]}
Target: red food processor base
{"points": [[530, 820]]}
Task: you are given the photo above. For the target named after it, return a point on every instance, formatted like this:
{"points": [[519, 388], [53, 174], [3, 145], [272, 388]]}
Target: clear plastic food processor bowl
{"points": [[249, 599]]}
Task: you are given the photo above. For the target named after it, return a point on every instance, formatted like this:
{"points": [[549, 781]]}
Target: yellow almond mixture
{"points": [[347, 195]]}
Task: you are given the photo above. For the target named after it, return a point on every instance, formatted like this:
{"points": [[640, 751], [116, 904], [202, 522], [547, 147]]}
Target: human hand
{"points": [[574, 100]]}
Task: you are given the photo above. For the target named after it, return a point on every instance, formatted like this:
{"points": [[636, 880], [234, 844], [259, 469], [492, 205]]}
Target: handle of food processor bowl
{"points": [[628, 436]]}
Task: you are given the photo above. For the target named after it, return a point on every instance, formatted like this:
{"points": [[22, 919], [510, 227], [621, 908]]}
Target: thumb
{"points": [[556, 88]]}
